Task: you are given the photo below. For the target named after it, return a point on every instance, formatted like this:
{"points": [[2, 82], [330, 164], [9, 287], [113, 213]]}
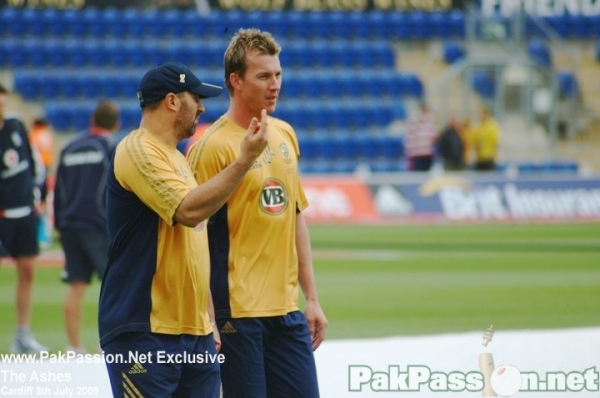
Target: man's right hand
{"points": [[255, 140]]}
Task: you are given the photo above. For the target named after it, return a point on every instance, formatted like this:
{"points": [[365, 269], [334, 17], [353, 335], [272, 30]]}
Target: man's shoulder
{"points": [[281, 124], [14, 123]]}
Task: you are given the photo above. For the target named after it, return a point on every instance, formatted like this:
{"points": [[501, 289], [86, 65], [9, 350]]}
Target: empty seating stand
{"points": [[340, 81]]}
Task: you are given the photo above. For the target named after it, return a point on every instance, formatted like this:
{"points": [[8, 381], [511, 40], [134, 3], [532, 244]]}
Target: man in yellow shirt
{"points": [[259, 241], [155, 297], [485, 139]]}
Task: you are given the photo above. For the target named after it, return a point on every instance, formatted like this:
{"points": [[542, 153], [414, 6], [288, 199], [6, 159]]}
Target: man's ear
{"points": [[235, 80], [172, 101]]}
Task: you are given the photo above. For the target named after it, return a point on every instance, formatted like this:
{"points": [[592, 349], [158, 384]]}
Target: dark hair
{"points": [[3, 90], [40, 122], [106, 115]]}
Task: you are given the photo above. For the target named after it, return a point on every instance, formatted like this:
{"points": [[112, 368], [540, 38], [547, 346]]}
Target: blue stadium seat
{"points": [[329, 147], [564, 167], [378, 24], [108, 48], [577, 27], [230, 22], [53, 23], [385, 165], [92, 51], [400, 29], [308, 149], [74, 25], [324, 147], [316, 25], [29, 85], [532, 28], [56, 54], [317, 166], [528, 168], [80, 115], [348, 147], [399, 111], [90, 86], [382, 115], [93, 20], [14, 22], [501, 167], [559, 25], [318, 55], [8, 17], [171, 23], [75, 57], [59, 117], [113, 23], [408, 84], [31, 53], [567, 83], [392, 147], [130, 117], [108, 85], [191, 25], [276, 23], [338, 116], [297, 55], [29, 22], [358, 29], [593, 23], [540, 53], [419, 25], [150, 20], [452, 52], [367, 147], [456, 20], [337, 28], [439, 23], [68, 87], [135, 54], [123, 58], [343, 166], [130, 18], [11, 53], [483, 84]]}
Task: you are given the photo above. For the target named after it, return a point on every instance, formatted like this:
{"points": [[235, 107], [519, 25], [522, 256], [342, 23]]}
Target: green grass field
{"points": [[408, 279]]}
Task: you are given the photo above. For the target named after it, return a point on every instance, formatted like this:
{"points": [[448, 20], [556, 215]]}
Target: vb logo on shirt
{"points": [[274, 197]]}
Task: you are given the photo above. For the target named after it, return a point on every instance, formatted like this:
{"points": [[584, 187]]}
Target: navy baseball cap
{"points": [[172, 77]]}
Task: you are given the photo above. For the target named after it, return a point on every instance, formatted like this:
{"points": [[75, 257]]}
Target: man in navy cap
{"points": [[155, 315]]}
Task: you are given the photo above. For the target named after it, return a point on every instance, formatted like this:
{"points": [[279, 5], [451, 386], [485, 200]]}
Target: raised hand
{"points": [[255, 140]]}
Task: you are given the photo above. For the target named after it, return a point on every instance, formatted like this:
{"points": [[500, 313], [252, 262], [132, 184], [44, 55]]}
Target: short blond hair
{"points": [[247, 41]]}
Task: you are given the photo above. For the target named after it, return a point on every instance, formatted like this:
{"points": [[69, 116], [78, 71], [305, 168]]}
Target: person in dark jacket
{"points": [[80, 211], [451, 147], [21, 177]]}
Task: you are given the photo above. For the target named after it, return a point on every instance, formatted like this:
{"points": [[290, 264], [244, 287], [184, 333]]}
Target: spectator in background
{"points": [[80, 211], [486, 139], [420, 140], [21, 174], [268, 342], [41, 137], [450, 147]]}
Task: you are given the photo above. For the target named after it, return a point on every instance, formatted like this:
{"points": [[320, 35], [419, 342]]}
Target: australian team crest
{"points": [[284, 149]]}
